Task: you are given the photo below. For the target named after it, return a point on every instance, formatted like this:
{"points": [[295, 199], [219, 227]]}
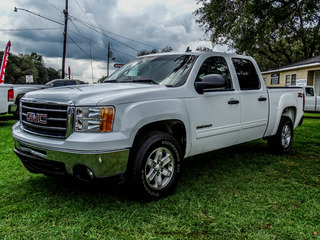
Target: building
{"points": [[304, 73]]}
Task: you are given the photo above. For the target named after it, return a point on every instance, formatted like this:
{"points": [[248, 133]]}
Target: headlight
{"points": [[94, 119]]}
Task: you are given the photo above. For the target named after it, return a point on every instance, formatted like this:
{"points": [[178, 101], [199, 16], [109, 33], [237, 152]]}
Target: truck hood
{"points": [[102, 94]]}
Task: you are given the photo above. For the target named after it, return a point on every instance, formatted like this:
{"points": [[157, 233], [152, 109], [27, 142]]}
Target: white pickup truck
{"points": [[312, 102], [10, 95], [6, 98], [151, 114]]}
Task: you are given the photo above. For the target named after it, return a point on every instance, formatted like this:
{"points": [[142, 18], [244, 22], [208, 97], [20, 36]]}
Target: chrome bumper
{"points": [[55, 162]]}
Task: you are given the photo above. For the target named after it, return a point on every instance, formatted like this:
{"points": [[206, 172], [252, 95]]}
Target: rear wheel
{"points": [[282, 141], [155, 166]]}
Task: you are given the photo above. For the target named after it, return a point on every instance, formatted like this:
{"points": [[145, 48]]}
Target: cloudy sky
{"points": [[129, 26]]}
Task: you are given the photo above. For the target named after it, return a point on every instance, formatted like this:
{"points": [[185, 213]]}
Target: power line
{"points": [[80, 32], [101, 46], [39, 15], [83, 12], [79, 47], [28, 29], [54, 6], [90, 10], [98, 24], [103, 30]]}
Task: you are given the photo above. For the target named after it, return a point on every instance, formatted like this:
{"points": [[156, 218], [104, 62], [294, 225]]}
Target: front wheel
{"points": [[155, 166], [282, 141]]}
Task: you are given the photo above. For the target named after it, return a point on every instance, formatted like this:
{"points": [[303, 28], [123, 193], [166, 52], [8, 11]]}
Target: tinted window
{"points": [[58, 84], [215, 65], [309, 92], [246, 73], [69, 83]]}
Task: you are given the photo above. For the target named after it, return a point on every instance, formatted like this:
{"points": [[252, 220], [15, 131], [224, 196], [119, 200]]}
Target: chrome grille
{"points": [[46, 119]]}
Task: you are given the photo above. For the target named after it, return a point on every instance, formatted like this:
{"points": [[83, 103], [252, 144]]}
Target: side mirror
{"points": [[209, 82]]}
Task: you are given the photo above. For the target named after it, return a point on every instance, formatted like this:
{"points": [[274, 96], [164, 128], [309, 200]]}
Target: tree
{"points": [[42, 70], [275, 32], [18, 67], [102, 79], [203, 49], [28, 64], [146, 52], [53, 74]]}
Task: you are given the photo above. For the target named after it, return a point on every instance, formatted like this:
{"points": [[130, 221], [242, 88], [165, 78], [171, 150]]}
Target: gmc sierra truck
{"points": [[151, 114]]}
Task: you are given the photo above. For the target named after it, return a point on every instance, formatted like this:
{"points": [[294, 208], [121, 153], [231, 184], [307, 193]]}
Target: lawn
{"points": [[242, 192]]}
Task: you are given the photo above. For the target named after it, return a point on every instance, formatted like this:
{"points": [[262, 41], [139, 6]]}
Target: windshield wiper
{"points": [[146, 80]]}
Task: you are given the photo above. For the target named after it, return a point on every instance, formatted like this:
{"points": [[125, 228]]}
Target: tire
{"points": [[282, 141], [154, 167]]}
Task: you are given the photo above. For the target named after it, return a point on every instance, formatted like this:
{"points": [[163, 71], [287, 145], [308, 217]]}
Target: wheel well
{"points": [[290, 112], [175, 128], [17, 101]]}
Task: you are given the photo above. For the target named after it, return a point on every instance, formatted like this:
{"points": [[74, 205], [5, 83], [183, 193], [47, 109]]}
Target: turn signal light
{"points": [[106, 119]]}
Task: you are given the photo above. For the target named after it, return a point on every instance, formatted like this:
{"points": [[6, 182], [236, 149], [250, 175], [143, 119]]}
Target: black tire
{"points": [[154, 168], [282, 141]]}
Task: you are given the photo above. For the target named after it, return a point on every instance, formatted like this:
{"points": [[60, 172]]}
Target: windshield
{"points": [[169, 70]]}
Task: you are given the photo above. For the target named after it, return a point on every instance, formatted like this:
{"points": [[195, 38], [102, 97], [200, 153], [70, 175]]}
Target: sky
{"points": [[129, 26]]}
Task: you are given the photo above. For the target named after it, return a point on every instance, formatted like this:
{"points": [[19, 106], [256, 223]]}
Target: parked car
{"points": [[151, 114], [312, 102], [63, 82]]}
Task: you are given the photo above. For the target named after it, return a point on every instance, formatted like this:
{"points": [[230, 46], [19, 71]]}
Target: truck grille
{"points": [[46, 119]]}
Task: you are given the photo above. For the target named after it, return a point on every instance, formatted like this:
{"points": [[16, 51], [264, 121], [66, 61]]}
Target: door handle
{"points": [[232, 101], [262, 99]]}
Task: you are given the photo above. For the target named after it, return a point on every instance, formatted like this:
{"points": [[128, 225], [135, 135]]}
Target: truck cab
{"points": [[312, 102]]}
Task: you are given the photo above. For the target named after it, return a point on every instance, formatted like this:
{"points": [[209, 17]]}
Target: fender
{"points": [[285, 101], [139, 114]]}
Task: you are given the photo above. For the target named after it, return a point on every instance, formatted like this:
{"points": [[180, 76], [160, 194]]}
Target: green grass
{"points": [[242, 192]]}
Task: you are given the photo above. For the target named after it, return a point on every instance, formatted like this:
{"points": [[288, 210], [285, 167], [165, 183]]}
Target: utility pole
{"points": [[109, 55], [65, 11]]}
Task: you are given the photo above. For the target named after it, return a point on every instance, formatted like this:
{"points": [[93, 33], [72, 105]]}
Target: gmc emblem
{"points": [[36, 117]]}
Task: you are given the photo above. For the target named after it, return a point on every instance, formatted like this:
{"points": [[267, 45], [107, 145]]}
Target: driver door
{"points": [[215, 115]]}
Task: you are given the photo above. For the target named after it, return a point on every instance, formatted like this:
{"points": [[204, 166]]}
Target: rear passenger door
{"points": [[254, 101]]}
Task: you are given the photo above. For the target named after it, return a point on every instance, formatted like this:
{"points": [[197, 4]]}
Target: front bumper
{"points": [[57, 161]]}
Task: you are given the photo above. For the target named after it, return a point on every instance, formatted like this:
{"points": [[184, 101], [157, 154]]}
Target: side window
{"points": [[58, 84], [309, 92], [247, 74], [215, 65], [66, 83]]}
